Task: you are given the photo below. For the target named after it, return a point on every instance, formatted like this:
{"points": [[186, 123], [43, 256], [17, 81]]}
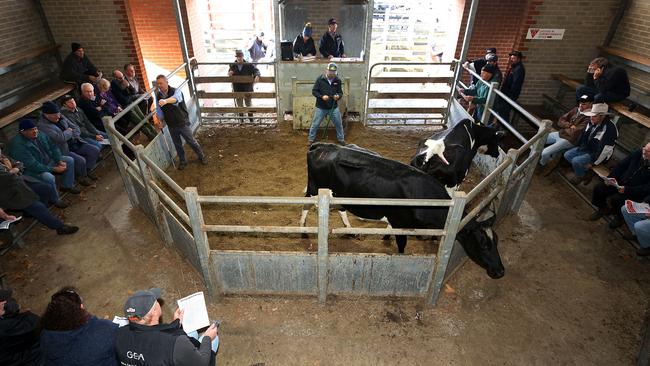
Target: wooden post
{"points": [[446, 245], [323, 233], [201, 241]]}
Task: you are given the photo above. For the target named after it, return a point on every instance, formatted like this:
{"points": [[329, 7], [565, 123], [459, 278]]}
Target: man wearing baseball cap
{"points": [[327, 90], [595, 146], [147, 341], [477, 64], [331, 43]]}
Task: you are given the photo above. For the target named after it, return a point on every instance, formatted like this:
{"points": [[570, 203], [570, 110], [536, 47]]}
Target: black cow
{"points": [[353, 172], [458, 145]]}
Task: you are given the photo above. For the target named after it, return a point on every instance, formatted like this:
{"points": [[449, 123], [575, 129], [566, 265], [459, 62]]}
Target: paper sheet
{"points": [[637, 207], [105, 142], [5, 224], [195, 314], [120, 321]]}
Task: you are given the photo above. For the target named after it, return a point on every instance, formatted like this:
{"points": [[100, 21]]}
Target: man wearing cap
{"points": [[147, 341], [512, 84], [477, 64], [605, 82], [331, 43], [595, 146], [327, 90], [171, 108], [477, 94], [257, 47], [88, 131], [632, 174], [243, 68], [41, 157], [78, 68], [19, 342], [67, 136], [568, 130], [304, 45]]}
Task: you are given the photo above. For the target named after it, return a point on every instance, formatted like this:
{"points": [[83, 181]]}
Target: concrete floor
{"points": [[573, 294]]}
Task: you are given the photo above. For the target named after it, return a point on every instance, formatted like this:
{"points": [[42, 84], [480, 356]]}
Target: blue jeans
{"points": [[94, 142], [45, 191], [579, 160], [90, 153], [215, 342], [557, 146], [67, 178], [186, 133], [319, 115], [38, 211], [639, 225]]}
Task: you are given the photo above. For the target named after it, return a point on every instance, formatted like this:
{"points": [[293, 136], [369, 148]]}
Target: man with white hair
{"points": [[147, 341], [92, 106], [595, 146]]}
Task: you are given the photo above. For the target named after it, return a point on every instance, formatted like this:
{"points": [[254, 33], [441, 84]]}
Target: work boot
{"points": [[61, 204], [587, 178], [550, 166], [67, 230], [182, 165], [616, 222], [643, 252], [73, 190], [92, 176], [575, 180], [597, 215], [84, 181]]}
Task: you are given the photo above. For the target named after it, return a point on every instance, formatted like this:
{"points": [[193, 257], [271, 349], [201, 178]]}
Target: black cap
{"points": [[50, 108], [5, 294], [331, 21], [516, 53], [489, 68], [75, 46], [26, 124], [491, 50], [586, 98]]}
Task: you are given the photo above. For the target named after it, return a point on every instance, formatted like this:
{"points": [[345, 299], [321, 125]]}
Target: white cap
{"points": [[598, 109]]}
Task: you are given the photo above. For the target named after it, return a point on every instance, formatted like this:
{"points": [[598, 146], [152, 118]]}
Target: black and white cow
{"points": [[458, 146], [349, 171]]}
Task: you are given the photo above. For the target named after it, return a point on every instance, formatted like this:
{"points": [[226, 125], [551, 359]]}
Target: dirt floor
{"points": [[573, 294], [266, 161]]}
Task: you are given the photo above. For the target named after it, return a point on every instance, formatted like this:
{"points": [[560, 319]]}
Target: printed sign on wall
{"points": [[545, 33]]}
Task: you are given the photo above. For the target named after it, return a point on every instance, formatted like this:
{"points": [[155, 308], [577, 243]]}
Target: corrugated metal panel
{"points": [[182, 239], [379, 275], [241, 272]]}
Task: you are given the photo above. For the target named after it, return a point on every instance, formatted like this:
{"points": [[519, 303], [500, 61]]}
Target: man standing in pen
{"points": [[327, 90]]}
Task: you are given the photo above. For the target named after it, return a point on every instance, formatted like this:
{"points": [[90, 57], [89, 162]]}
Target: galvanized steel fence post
{"points": [[446, 245], [152, 196], [121, 165], [506, 197], [489, 102], [323, 233], [527, 175], [201, 240]]}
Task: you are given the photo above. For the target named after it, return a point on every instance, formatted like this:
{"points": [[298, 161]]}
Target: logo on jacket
{"points": [[134, 355]]}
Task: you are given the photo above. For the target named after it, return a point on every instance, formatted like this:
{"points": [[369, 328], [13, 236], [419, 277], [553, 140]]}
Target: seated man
{"points": [[78, 68], [595, 146], [122, 90], [477, 94], [88, 131], [639, 225], [67, 137], [11, 169], [605, 82], [19, 344], [242, 68], [632, 174], [569, 128], [304, 45], [331, 43], [158, 343], [92, 106], [42, 159]]}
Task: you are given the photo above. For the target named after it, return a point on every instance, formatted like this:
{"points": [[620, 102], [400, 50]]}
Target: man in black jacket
{"points": [[476, 65], [327, 90], [605, 82], [242, 68], [78, 68], [331, 43], [147, 341], [632, 175], [19, 343], [512, 83]]}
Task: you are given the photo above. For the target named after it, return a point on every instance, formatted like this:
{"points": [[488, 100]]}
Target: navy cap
{"points": [[26, 124], [141, 302], [50, 108], [331, 21]]}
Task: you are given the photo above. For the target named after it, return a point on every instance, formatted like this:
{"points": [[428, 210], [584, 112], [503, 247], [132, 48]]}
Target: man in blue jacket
{"points": [[327, 90], [595, 146]]}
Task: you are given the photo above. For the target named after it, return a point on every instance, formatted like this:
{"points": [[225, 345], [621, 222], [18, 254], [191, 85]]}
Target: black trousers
{"points": [[607, 198]]}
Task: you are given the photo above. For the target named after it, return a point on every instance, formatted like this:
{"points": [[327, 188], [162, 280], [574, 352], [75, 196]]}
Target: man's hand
{"points": [[469, 98], [162, 102], [5, 216], [257, 79], [329, 57], [119, 109], [99, 137], [336, 97], [325, 97], [102, 102], [211, 332], [230, 72], [14, 171], [621, 190], [344, 55], [597, 73], [59, 169], [178, 314]]}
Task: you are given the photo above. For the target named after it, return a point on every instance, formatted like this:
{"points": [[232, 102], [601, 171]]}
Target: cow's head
{"points": [[488, 136], [480, 243]]}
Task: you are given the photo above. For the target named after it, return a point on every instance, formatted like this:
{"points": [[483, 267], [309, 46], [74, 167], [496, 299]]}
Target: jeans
{"points": [[186, 133], [85, 158], [67, 177], [38, 211], [47, 193], [639, 225], [599, 97], [319, 115], [579, 160], [557, 146], [215, 342], [239, 102]]}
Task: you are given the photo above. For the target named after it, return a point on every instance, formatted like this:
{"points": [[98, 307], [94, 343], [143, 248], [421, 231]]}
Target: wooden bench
{"points": [[28, 97]]}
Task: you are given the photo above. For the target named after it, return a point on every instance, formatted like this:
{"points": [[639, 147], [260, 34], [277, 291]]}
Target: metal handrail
{"points": [[170, 202], [496, 173], [255, 199], [160, 173]]}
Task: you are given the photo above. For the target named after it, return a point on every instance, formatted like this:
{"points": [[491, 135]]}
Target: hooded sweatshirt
{"points": [[91, 344]]}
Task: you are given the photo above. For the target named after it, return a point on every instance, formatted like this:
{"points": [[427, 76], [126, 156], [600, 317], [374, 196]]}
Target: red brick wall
{"points": [[633, 34]]}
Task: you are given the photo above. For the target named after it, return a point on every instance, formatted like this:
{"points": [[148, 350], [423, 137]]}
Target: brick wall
{"points": [[22, 30], [633, 34]]}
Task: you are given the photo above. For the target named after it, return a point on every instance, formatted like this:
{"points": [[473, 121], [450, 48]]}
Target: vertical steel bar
{"points": [[466, 39], [186, 57], [323, 251], [162, 135], [445, 247], [367, 41], [121, 164], [152, 196], [506, 197], [489, 102], [537, 148], [277, 21], [201, 241]]}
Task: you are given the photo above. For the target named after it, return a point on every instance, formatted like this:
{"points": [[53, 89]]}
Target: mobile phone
{"points": [[217, 323]]}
